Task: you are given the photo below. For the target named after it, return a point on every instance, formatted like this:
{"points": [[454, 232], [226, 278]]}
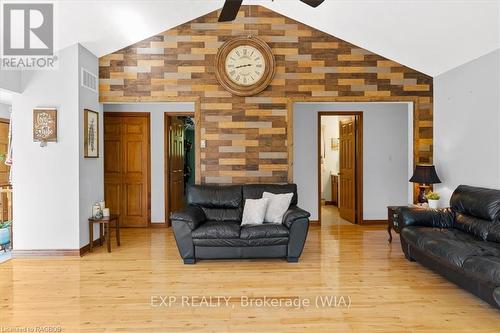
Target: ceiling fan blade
{"points": [[230, 10], [313, 3]]}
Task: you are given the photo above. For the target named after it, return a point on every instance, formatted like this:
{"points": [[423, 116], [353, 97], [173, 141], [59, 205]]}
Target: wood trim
{"points": [[86, 248], [127, 114], [359, 168], [45, 253], [330, 203], [374, 222], [5, 120], [158, 225], [289, 137], [166, 144], [148, 116], [197, 138], [149, 167], [166, 140], [358, 120]]}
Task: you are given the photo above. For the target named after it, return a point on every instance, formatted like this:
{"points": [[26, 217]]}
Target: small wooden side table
{"points": [[392, 220], [104, 223]]}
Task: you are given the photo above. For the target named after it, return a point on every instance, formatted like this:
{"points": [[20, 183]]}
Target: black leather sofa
{"points": [[462, 242], [210, 226]]}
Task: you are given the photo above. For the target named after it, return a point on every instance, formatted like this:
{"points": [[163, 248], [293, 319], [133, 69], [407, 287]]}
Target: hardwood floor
{"points": [[330, 216], [111, 292]]}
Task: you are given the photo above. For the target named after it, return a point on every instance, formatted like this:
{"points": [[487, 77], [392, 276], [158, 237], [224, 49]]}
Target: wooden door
{"points": [[126, 167], [347, 168], [176, 163]]}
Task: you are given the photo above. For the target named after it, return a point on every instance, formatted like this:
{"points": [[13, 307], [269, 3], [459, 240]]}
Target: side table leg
{"points": [[108, 237], [389, 231], [91, 236], [118, 231], [100, 233]]}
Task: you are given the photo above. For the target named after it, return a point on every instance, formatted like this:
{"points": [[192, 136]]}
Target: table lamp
{"points": [[424, 175]]}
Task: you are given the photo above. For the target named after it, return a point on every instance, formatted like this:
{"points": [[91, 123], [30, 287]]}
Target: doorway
{"points": [[179, 159], [127, 181], [5, 191], [340, 172]]}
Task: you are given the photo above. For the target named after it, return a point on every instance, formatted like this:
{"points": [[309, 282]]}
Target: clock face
{"points": [[245, 65]]}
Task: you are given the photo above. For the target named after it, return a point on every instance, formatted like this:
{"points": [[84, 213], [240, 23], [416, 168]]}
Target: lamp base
{"points": [[421, 194]]}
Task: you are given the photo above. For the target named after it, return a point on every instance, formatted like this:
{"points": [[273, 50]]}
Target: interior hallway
{"points": [[330, 216]]}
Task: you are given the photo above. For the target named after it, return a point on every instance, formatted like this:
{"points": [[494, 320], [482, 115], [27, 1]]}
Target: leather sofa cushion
{"points": [[494, 234], [255, 191], [476, 201], [217, 229], [485, 268], [450, 245], [293, 214], [241, 242], [219, 214], [215, 196], [266, 230], [473, 225]]}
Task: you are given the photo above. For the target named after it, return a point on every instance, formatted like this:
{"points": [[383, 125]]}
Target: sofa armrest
{"points": [[293, 214], [434, 218], [193, 216]]}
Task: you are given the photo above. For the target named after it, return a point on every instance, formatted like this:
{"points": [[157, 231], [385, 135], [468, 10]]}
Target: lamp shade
{"points": [[425, 174]]}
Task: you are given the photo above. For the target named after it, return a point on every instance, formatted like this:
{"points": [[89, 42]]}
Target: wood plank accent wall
{"points": [[247, 138]]}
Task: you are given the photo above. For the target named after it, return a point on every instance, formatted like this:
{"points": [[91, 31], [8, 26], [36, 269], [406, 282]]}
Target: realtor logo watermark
{"points": [[28, 36]]}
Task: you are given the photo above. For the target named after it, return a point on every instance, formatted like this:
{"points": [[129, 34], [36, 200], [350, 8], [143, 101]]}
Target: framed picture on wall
{"points": [[44, 125], [91, 134]]}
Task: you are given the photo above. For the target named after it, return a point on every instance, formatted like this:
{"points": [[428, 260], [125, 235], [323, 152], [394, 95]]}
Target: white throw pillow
{"points": [[254, 211], [277, 206]]}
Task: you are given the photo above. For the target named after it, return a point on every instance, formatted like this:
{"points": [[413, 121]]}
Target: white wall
{"points": [[46, 180], [10, 80], [387, 155], [55, 186], [91, 175], [5, 111], [156, 111], [467, 125]]}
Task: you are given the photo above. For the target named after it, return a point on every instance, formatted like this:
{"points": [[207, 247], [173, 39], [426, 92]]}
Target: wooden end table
{"points": [[393, 216], [392, 220], [104, 223]]}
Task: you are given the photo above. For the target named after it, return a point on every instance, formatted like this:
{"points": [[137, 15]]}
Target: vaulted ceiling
{"points": [[429, 36]]}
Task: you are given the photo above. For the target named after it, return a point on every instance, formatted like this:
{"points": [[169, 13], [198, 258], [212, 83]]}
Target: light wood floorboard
{"points": [[111, 292]]}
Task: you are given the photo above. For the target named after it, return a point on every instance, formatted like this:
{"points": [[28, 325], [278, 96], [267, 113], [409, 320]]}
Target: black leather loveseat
{"points": [[461, 242], [209, 227]]}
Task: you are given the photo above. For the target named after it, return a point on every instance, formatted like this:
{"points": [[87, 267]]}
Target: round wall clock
{"points": [[245, 66]]}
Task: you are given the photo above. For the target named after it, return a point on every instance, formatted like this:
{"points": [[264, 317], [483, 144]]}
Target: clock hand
{"points": [[243, 65]]}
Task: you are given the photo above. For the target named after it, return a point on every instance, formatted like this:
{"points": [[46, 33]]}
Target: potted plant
{"points": [[433, 199], [5, 234]]}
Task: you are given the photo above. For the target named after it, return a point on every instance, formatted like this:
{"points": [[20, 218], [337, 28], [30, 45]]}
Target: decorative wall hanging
{"points": [[91, 134], [334, 144], [245, 65], [44, 126]]}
